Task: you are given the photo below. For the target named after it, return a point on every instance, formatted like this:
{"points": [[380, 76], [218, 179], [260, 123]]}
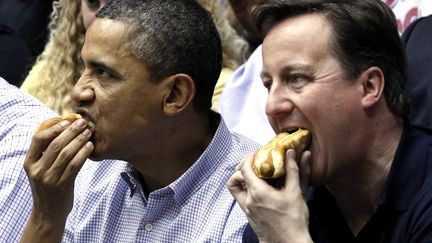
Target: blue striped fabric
{"points": [[20, 114], [110, 205]]}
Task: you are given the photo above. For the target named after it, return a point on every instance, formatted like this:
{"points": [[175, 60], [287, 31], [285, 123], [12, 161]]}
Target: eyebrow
{"points": [[288, 69], [103, 66]]}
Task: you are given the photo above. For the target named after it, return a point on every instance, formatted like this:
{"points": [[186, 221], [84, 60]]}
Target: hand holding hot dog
{"points": [[55, 156], [276, 214]]}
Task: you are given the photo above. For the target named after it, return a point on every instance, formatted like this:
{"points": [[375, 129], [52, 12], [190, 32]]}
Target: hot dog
{"points": [[51, 122], [269, 161]]}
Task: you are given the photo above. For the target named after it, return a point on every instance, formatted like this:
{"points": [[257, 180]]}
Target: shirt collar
{"points": [[133, 180], [206, 164], [200, 171]]}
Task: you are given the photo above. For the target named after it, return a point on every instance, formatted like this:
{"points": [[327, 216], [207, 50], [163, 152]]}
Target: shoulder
{"points": [[417, 222], [243, 146], [99, 175], [417, 29], [14, 103], [20, 113]]}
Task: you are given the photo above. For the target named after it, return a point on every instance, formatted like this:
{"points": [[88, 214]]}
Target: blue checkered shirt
{"points": [[111, 206], [20, 114]]}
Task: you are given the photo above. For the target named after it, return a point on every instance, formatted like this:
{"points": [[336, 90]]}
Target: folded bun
{"points": [[71, 117], [269, 161]]}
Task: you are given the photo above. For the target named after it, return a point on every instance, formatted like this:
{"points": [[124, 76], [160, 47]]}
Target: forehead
{"points": [[298, 40], [105, 37]]}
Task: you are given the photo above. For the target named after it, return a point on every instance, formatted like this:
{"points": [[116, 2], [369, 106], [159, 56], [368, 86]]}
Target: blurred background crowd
{"points": [[25, 28]]}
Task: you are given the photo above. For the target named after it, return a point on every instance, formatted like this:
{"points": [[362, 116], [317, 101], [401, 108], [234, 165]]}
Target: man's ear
{"points": [[373, 86], [181, 91]]}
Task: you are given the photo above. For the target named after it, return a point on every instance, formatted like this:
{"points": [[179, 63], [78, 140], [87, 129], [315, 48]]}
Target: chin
{"points": [[100, 153], [316, 176], [97, 154], [95, 157]]}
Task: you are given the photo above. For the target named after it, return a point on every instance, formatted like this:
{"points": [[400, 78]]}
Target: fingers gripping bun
{"points": [[51, 122], [269, 162]]}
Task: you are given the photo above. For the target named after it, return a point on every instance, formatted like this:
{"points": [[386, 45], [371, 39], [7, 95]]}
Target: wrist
{"points": [[292, 240], [43, 228], [289, 237]]}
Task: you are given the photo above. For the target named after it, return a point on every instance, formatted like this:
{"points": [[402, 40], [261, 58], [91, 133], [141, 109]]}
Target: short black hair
{"points": [[172, 36], [364, 34]]}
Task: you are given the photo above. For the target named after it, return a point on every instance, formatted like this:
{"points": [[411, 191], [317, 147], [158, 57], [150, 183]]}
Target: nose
{"points": [[278, 105], [83, 91]]}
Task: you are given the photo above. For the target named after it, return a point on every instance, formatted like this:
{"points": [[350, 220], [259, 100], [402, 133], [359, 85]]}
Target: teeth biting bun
{"points": [[51, 122], [269, 161]]}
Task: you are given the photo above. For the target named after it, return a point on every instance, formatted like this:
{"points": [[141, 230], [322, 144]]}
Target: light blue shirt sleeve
{"points": [[20, 114], [243, 100]]}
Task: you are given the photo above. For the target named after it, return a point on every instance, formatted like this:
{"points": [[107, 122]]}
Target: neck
{"points": [[181, 145], [358, 192]]}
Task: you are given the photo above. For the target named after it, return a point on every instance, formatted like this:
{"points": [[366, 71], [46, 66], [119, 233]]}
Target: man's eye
{"points": [[267, 84], [297, 81], [102, 73]]}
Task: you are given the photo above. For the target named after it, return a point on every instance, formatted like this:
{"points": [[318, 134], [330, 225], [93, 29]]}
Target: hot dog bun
{"points": [[51, 122], [269, 161]]}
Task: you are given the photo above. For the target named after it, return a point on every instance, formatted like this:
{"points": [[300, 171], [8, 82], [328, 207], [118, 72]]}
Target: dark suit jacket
{"points": [[418, 40], [29, 20], [15, 56]]}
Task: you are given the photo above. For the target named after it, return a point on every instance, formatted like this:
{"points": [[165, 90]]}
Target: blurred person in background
{"points": [[58, 67], [29, 20], [239, 12], [15, 56], [23, 35], [234, 48], [418, 41], [242, 102]]}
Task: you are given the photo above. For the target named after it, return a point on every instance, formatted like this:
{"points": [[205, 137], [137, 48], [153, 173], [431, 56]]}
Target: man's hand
{"points": [[52, 164], [277, 214]]}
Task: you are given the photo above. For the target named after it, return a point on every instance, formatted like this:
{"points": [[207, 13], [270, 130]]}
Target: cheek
{"points": [[327, 120], [109, 134], [118, 116]]}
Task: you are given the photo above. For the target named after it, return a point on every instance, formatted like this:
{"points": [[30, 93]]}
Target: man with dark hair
{"points": [[150, 68], [29, 20], [337, 69], [15, 56]]}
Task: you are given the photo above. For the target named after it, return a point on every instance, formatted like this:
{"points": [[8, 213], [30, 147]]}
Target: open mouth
{"points": [[269, 162], [90, 124], [293, 130], [303, 136]]}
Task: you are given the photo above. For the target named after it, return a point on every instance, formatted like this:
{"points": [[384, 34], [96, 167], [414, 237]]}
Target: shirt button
{"points": [[149, 227]]}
